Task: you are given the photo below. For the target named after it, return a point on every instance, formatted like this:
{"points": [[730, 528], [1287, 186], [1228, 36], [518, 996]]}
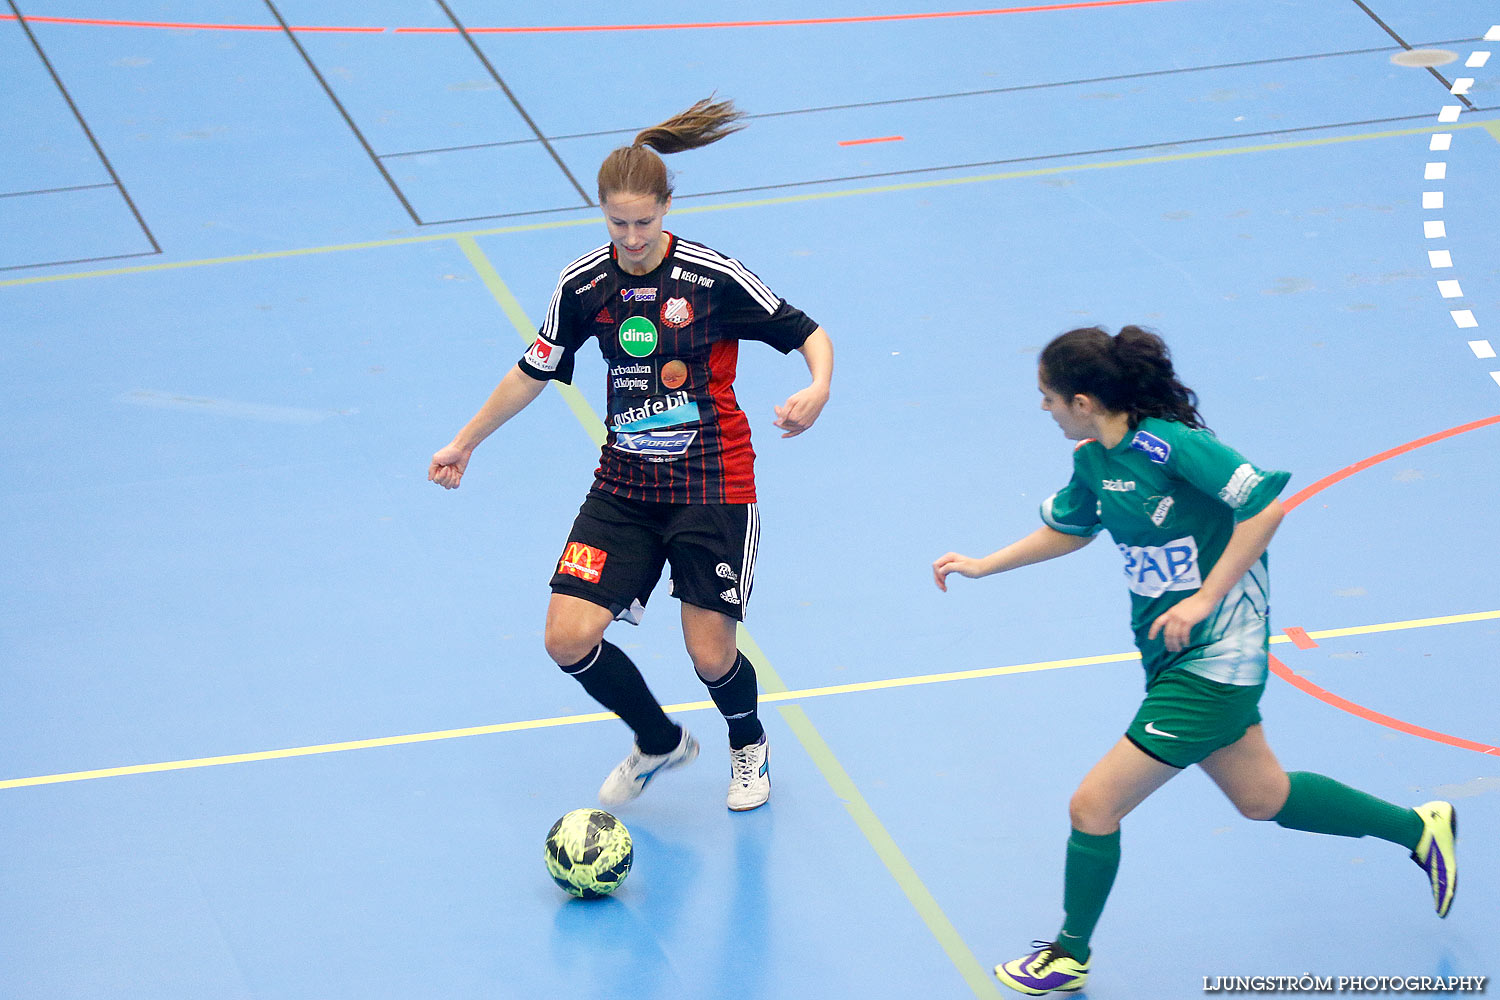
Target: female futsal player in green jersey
{"points": [[1192, 518]]}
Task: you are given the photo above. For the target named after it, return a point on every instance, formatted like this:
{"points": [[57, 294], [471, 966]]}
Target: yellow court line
{"points": [[691, 706], [890, 854], [1492, 126], [1336, 633], [513, 310]]}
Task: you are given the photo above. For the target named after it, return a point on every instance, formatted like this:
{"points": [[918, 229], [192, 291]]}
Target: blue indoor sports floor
{"points": [[275, 716]]}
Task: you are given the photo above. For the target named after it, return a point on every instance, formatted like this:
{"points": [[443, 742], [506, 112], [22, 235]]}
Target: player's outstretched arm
{"points": [[1042, 544], [514, 393], [801, 409]]}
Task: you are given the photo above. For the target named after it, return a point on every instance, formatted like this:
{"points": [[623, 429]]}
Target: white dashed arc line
{"points": [[1433, 200]]}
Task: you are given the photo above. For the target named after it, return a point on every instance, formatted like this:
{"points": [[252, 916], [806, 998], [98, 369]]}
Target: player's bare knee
{"points": [[1265, 798], [1090, 815], [710, 659], [1262, 804], [568, 642]]}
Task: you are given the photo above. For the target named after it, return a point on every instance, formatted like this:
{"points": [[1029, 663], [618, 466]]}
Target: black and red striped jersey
{"points": [[670, 340]]}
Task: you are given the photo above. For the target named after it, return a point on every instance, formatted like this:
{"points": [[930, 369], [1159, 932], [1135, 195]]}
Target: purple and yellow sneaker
{"points": [[1437, 852], [1048, 968]]}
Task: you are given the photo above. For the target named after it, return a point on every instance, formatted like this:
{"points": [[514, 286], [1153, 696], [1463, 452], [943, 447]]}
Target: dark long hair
{"points": [[636, 169], [1130, 372]]}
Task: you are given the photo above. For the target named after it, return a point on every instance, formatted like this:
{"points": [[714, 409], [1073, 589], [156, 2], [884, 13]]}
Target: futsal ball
{"points": [[589, 853]]}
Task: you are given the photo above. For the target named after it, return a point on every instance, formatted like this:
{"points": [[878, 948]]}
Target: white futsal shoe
{"points": [[750, 776], [630, 778]]}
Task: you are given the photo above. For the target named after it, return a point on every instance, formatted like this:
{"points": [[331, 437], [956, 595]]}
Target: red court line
{"points": [[1280, 670], [804, 21], [866, 142], [1328, 697], [566, 28], [1308, 492], [179, 25], [1299, 637]]}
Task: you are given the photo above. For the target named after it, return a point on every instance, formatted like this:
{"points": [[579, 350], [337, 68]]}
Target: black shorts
{"points": [[616, 550]]}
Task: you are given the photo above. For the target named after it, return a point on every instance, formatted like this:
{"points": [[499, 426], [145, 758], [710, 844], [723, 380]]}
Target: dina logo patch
{"points": [[638, 337]]}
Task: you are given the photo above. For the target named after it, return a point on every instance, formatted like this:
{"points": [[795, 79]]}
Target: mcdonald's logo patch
{"points": [[582, 561]]}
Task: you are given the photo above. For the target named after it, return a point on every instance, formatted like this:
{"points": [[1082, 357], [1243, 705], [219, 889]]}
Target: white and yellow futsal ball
{"points": [[589, 853]]}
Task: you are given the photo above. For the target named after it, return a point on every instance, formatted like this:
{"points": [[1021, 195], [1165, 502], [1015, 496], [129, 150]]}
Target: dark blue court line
{"points": [[1492, 126], [984, 163], [83, 124], [75, 187], [1447, 84], [494, 75], [348, 120], [82, 260], [1020, 88]]}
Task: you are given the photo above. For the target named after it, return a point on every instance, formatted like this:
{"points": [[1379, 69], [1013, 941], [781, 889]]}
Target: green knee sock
{"points": [[1087, 877], [1321, 805]]}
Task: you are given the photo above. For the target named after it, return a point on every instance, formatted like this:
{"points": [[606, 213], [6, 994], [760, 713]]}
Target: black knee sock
{"points": [[737, 698], [611, 679]]}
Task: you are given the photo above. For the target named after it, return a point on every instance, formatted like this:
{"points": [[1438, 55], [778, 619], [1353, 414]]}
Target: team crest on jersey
{"points": [[1159, 508], [582, 561], [1155, 448], [676, 313]]}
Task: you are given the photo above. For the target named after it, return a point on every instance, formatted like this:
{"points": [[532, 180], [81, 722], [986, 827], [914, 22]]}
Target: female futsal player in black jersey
{"points": [[676, 481]]}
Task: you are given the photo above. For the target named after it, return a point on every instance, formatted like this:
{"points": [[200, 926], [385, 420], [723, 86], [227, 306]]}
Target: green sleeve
{"points": [[1218, 470], [1074, 509]]}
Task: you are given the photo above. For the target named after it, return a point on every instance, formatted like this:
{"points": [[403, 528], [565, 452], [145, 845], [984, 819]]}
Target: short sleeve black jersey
{"points": [[670, 339]]}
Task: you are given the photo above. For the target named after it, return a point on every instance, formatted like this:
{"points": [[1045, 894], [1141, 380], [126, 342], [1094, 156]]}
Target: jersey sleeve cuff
{"points": [[1082, 531]]}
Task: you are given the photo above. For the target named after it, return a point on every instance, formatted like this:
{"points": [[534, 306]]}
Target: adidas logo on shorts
{"points": [[730, 596]]}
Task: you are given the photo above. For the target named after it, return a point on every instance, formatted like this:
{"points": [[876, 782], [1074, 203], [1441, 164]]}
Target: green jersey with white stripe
{"points": [[1170, 497]]}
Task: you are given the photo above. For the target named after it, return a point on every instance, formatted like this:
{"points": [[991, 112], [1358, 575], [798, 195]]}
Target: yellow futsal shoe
{"points": [[1437, 852], [1048, 968]]}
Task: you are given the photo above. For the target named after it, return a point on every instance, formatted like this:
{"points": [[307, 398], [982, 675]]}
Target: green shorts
{"points": [[1186, 717]]}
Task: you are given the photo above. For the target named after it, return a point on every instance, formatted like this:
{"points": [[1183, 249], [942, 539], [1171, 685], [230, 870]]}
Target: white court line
{"points": [[1432, 229], [229, 407]]}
